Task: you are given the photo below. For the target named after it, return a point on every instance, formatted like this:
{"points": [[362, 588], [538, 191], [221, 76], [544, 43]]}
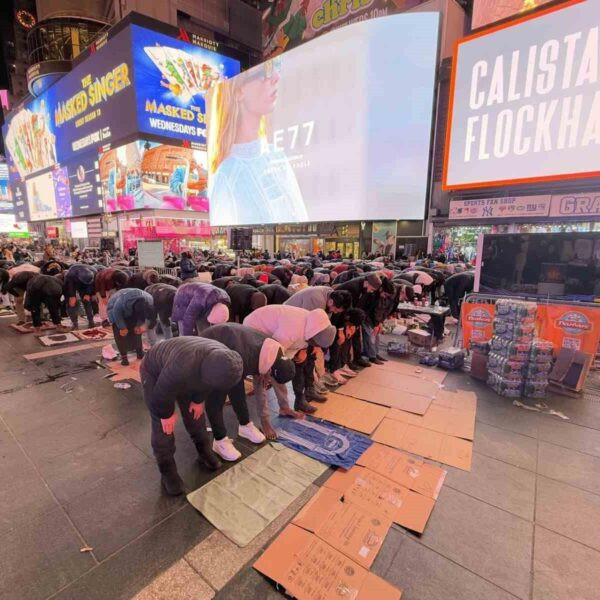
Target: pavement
{"points": [[77, 472]]}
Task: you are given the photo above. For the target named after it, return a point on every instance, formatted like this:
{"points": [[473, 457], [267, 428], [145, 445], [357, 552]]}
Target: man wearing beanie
{"points": [[79, 280], [295, 329], [263, 358], [199, 305], [184, 370], [128, 310], [244, 299]]}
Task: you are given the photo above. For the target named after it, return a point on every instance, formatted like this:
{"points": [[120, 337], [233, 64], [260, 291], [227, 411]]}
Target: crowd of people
{"points": [[314, 322]]}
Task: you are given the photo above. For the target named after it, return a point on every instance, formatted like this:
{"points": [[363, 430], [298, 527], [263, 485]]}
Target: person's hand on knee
{"points": [[197, 410], [168, 425]]}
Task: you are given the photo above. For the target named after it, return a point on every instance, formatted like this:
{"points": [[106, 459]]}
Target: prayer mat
{"points": [[323, 441], [57, 339], [242, 501], [28, 327]]}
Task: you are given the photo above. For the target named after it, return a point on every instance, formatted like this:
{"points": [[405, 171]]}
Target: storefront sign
{"points": [[576, 205], [576, 328], [500, 208], [486, 12], [477, 322]]}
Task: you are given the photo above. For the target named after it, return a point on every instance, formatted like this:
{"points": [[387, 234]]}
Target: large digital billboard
{"points": [[328, 131], [525, 101], [6, 204], [486, 12], [171, 80]]}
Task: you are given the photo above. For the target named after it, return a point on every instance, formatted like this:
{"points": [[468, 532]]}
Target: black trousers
{"points": [[305, 373], [132, 342], [34, 305], [214, 408], [163, 445], [339, 354]]}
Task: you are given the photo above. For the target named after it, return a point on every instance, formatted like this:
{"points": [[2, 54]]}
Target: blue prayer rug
{"points": [[323, 441]]}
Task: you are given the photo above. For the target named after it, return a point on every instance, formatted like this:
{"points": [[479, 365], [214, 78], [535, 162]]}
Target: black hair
{"points": [[355, 316], [341, 299], [410, 293], [387, 286]]}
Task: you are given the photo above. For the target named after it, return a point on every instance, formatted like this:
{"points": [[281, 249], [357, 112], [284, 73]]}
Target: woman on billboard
{"points": [[250, 180]]}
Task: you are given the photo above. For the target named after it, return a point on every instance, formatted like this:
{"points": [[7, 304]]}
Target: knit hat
{"points": [[258, 299], [373, 280], [219, 313], [86, 276], [284, 369], [324, 338]]}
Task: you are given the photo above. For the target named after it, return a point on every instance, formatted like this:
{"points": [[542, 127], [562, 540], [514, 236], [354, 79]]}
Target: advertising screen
{"points": [[327, 131], [171, 79], [525, 101], [83, 110], [79, 229], [41, 198], [486, 12], [6, 205], [146, 174]]}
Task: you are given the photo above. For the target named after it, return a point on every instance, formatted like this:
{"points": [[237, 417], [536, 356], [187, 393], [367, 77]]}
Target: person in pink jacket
{"points": [[295, 329]]}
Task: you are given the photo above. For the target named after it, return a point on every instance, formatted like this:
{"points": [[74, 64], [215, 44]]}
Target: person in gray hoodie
{"points": [[263, 358], [184, 371], [128, 310]]}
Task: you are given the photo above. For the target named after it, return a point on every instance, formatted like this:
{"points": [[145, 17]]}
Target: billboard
{"points": [[308, 137], [84, 185], [486, 12], [289, 23], [525, 101], [171, 80], [6, 204], [145, 174]]}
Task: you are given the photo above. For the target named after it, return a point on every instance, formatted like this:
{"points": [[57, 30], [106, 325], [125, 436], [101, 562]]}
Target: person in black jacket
{"points": [[262, 357], [79, 280], [170, 280], [455, 287], [163, 296], [47, 290], [275, 293], [244, 299], [16, 287], [53, 267], [283, 274], [187, 266], [184, 370], [142, 279], [223, 282]]}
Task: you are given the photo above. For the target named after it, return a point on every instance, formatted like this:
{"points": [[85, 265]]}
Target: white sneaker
{"points": [[329, 379], [348, 372], [340, 377], [252, 433], [226, 450]]}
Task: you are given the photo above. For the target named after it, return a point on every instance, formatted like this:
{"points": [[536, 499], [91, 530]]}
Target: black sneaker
{"points": [[208, 458], [312, 394], [303, 406], [361, 363], [376, 361], [124, 361], [170, 480]]}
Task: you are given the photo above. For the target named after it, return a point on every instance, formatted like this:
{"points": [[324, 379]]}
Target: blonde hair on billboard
{"points": [[223, 117]]}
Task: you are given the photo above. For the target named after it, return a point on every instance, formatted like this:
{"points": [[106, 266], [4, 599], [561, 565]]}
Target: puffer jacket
{"points": [[187, 367], [41, 287], [74, 280], [123, 306], [143, 279], [292, 327], [163, 296], [242, 296], [110, 279], [310, 298], [170, 280], [275, 293], [188, 269], [194, 301], [17, 284], [223, 282], [257, 350]]}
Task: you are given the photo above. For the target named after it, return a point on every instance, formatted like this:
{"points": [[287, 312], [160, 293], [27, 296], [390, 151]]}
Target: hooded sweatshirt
{"points": [[187, 367], [257, 350], [310, 298], [194, 301], [124, 305], [292, 327], [109, 279]]}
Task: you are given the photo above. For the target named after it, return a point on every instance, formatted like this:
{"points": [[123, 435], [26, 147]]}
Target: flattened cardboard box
{"points": [[354, 530], [351, 412], [424, 442], [310, 569], [385, 396], [399, 381], [414, 474], [378, 494], [418, 371]]}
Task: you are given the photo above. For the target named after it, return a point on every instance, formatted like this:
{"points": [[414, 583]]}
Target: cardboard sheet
{"points": [[418, 371], [243, 500], [424, 442], [410, 472], [56, 339], [457, 400], [323, 441], [310, 569], [354, 530], [385, 396], [59, 351], [377, 494], [457, 423], [121, 373], [398, 381], [351, 412]]}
